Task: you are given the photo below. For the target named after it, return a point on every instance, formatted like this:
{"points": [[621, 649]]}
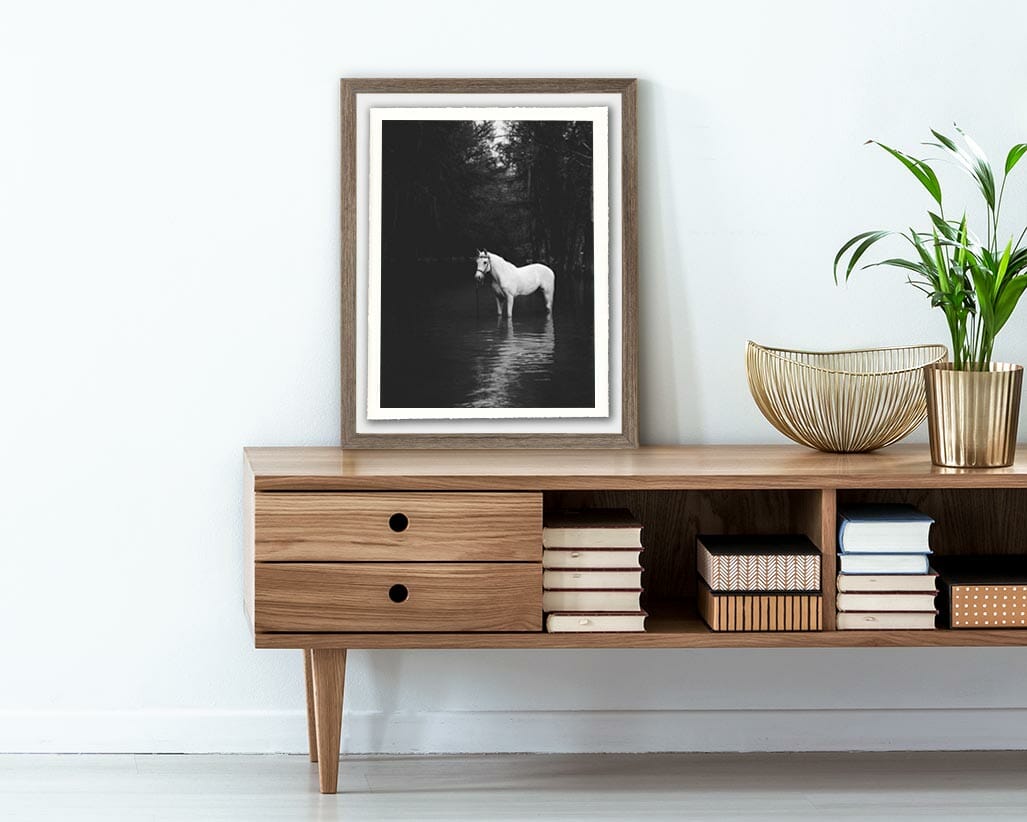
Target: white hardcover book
{"points": [[882, 601], [595, 623], [602, 578], [592, 528], [875, 564], [582, 600], [888, 582], [884, 620], [597, 558], [591, 538]]}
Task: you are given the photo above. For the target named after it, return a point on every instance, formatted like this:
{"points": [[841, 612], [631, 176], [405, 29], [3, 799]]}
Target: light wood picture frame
{"points": [[431, 356]]}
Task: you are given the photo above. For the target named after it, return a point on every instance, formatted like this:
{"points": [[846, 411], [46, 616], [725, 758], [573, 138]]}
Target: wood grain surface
{"points": [[481, 596], [653, 467], [328, 670], [453, 527], [676, 627], [676, 492], [813, 514]]}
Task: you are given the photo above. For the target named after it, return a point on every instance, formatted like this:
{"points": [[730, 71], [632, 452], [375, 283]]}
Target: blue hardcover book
{"points": [[884, 529]]}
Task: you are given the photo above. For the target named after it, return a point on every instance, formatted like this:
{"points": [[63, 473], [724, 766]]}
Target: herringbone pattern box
{"points": [[758, 563]]}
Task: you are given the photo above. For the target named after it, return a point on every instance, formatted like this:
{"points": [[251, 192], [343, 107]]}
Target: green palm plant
{"points": [[976, 283]]}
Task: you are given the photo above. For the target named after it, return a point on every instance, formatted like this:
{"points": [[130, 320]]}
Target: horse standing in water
{"points": [[509, 281]]}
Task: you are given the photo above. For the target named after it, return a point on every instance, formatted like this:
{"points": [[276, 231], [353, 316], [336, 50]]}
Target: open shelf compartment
{"points": [[672, 519]]}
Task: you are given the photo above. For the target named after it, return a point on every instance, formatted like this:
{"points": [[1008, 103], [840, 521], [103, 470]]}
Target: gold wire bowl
{"points": [[842, 401]]}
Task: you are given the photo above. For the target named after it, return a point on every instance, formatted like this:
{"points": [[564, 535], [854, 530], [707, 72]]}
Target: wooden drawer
{"points": [[397, 527], [398, 596]]}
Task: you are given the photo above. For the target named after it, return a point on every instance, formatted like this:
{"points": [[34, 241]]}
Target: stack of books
{"points": [[759, 583], [592, 571], [885, 580]]}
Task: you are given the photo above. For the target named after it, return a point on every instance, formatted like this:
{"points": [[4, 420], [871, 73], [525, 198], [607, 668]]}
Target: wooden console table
{"points": [[442, 549]]}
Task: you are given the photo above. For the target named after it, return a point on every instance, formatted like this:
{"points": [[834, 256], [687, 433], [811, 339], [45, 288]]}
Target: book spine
{"points": [[841, 534]]}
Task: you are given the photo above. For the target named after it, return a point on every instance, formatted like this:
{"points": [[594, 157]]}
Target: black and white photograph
{"points": [[488, 267]]}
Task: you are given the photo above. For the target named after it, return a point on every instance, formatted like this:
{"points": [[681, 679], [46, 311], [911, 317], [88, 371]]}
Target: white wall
{"points": [[169, 259]]}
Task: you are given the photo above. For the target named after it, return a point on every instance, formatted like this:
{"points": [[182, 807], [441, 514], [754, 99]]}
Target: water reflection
{"points": [[509, 356], [446, 348]]}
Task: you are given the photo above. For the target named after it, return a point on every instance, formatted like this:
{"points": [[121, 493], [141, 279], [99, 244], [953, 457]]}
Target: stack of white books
{"points": [[885, 579], [592, 571]]}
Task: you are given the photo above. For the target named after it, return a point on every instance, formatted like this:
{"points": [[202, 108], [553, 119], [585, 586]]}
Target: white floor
{"points": [[892, 786]]}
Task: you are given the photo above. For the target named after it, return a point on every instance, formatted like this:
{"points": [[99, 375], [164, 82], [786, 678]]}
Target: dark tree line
{"points": [[551, 163], [520, 188]]}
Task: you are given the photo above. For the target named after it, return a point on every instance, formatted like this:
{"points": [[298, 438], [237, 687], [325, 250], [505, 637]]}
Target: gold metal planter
{"points": [[973, 415], [843, 401]]}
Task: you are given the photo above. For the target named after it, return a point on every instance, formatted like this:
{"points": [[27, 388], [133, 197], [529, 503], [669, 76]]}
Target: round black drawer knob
{"points": [[398, 522], [398, 593]]}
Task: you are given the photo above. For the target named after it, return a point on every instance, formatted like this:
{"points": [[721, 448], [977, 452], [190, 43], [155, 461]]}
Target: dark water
{"points": [[446, 348]]}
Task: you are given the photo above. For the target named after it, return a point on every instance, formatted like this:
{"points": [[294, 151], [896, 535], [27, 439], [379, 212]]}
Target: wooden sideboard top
{"points": [[649, 467]]}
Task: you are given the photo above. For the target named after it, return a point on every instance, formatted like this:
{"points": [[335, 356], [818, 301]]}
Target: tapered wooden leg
{"points": [[308, 676], [328, 666]]}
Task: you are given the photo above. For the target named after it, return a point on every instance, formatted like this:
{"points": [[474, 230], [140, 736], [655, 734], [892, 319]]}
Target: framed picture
{"points": [[489, 263]]}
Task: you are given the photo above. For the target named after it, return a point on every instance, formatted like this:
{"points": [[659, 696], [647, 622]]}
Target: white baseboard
{"points": [[194, 731], [156, 731]]}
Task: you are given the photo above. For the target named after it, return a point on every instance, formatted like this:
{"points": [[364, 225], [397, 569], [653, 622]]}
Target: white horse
{"points": [[509, 281]]}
